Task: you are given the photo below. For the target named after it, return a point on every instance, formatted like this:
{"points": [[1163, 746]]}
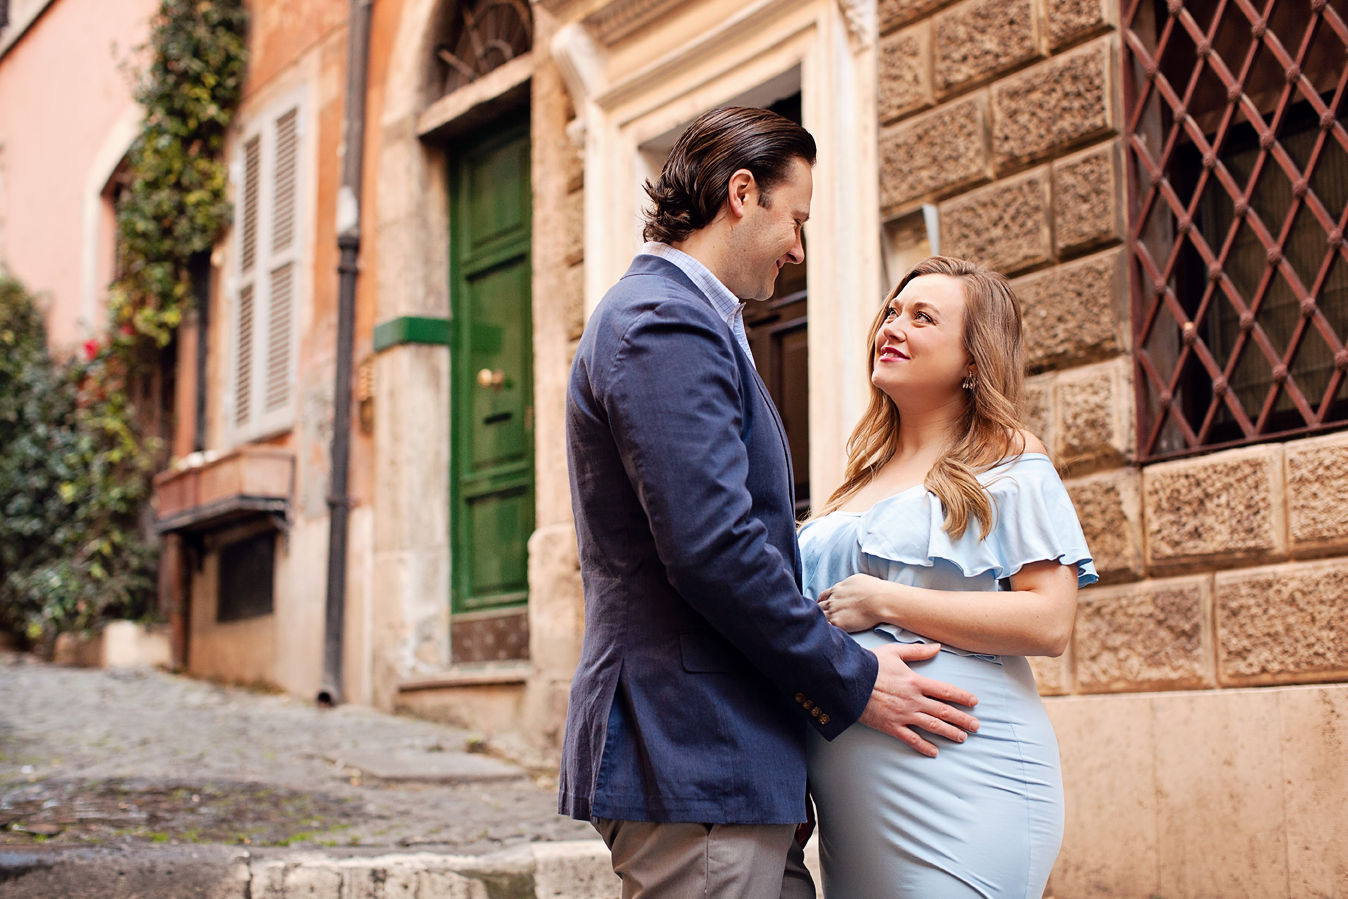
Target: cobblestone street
{"points": [[124, 757]]}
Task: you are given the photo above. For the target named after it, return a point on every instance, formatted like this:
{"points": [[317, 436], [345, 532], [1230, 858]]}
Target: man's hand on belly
{"points": [[903, 699]]}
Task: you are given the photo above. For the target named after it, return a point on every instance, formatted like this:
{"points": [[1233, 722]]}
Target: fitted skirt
{"points": [[982, 819]]}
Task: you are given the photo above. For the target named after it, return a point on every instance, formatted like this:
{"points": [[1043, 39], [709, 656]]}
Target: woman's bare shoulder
{"points": [[1031, 443]]}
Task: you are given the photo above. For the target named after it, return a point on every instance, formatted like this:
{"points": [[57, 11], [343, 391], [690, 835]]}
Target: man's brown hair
{"points": [[694, 182]]}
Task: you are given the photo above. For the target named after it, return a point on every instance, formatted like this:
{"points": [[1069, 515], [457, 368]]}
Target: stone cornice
{"points": [[614, 21]]}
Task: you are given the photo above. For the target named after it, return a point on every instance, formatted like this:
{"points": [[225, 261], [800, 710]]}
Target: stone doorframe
{"points": [[633, 82], [410, 625], [410, 621]]}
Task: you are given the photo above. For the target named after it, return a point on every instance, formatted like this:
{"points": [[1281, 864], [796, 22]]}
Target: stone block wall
{"points": [[1217, 571]]}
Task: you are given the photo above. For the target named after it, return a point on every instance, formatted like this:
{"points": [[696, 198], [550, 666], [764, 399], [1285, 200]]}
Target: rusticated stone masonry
{"points": [[1224, 570]]}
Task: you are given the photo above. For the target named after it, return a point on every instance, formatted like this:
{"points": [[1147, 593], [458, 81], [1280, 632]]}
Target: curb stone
{"points": [[578, 869]]}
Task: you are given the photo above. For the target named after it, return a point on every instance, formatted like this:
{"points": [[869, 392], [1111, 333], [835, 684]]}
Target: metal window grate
{"points": [[1238, 177], [482, 36]]}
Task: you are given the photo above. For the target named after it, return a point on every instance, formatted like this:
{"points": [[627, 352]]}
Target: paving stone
{"points": [[934, 153], [1224, 507], [1145, 636], [1074, 312], [1059, 103], [905, 72], [416, 765], [980, 38], [1003, 226], [152, 736], [1283, 623]]}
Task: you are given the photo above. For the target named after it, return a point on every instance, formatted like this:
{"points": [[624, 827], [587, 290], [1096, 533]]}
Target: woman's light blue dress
{"points": [[985, 817]]}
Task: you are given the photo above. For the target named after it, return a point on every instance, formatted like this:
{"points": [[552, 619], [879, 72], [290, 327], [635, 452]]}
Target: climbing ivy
{"points": [[75, 458], [174, 205]]}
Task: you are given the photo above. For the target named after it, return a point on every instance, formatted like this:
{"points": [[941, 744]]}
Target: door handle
{"points": [[489, 378]]}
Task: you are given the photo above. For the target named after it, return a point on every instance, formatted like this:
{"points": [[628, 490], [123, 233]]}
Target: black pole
{"points": [[199, 266], [348, 242]]}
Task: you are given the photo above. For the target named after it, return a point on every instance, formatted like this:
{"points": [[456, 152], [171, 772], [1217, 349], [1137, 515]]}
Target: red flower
{"points": [[128, 331], [91, 348]]}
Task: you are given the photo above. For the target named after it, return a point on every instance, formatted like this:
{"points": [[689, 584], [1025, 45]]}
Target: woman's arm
{"points": [[1034, 618]]}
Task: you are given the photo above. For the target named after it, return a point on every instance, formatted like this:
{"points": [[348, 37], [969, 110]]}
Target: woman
{"points": [[951, 527]]}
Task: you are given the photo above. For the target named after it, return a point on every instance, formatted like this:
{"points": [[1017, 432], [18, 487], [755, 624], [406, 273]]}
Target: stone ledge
{"points": [[488, 674], [1219, 509], [905, 72], [1093, 425], [1072, 20], [1075, 312], [1283, 623], [935, 153], [1317, 494], [897, 13], [1109, 506], [1004, 226], [1088, 191], [979, 39], [1146, 636], [576, 869], [1055, 105]]}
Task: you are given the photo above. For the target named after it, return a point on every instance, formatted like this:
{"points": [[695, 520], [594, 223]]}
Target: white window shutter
{"points": [[270, 275]]}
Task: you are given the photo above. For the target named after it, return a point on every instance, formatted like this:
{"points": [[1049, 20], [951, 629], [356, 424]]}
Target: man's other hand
{"points": [[903, 699]]}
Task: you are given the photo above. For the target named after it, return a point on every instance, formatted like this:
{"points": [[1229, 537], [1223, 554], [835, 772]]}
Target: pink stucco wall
{"points": [[65, 111]]}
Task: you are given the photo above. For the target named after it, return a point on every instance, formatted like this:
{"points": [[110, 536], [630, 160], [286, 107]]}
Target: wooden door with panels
{"points": [[778, 331], [492, 455]]}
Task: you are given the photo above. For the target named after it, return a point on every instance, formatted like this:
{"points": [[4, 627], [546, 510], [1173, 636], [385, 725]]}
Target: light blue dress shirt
{"points": [[726, 304]]}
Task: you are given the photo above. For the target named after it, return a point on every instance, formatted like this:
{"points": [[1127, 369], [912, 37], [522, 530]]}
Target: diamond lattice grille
{"points": [[1238, 169]]}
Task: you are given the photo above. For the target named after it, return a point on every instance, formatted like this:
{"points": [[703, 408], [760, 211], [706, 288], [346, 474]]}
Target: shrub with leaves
{"points": [[72, 486], [75, 465]]}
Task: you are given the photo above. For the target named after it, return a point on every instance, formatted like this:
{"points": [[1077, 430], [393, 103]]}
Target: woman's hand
{"points": [[855, 604]]}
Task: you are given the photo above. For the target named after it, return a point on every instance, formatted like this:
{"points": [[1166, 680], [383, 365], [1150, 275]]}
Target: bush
{"points": [[73, 482]]}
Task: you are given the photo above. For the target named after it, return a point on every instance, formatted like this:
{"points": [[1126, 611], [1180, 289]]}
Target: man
{"points": [[702, 662]]}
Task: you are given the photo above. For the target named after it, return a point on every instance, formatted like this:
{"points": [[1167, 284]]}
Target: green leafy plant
{"points": [[73, 484], [174, 205], [75, 458]]}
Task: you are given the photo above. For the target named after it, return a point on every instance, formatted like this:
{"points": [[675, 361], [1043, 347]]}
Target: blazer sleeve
{"points": [[674, 407]]}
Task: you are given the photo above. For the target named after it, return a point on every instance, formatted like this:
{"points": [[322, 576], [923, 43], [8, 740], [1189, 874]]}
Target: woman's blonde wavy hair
{"points": [[988, 431]]}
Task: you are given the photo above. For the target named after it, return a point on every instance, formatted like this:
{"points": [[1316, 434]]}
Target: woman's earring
{"points": [[969, 381]]}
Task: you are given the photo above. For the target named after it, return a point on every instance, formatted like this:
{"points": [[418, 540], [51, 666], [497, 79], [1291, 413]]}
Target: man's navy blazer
{"points": [[702, 663]]}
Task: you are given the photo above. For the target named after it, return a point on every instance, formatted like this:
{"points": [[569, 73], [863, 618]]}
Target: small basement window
{"points": [[247, 575]]}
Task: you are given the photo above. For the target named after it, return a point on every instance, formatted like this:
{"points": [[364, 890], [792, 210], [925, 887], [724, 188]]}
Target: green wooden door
{"points": [[492, 380]]}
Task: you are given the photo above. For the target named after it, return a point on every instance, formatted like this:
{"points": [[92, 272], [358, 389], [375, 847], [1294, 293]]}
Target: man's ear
{"points": [[741, 192]]}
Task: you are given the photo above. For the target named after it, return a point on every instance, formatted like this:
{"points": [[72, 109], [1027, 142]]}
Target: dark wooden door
{"points": [[778, 334], [492, 377]]}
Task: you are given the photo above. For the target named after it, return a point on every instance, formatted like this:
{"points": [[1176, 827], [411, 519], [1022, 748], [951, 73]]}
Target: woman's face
{"points": [[919, 349]]}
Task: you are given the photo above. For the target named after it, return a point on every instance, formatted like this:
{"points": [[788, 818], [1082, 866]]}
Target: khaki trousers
{"points": [[706, 861]]}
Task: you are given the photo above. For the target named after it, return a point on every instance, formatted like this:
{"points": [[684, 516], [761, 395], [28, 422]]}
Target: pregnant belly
{"points": [[984, 818]]}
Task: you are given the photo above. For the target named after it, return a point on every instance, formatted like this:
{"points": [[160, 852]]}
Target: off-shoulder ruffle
{"points": [[1035, 522]]}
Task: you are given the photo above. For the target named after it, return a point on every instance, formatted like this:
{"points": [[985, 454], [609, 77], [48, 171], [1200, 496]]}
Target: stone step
{"points": [[564, 870]]}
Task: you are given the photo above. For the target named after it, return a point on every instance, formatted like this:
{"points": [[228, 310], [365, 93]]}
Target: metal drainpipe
{"points": [[348, 242]]}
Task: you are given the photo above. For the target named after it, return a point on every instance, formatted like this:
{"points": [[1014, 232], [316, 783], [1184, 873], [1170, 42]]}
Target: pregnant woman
{"points": [[951, 527]]}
